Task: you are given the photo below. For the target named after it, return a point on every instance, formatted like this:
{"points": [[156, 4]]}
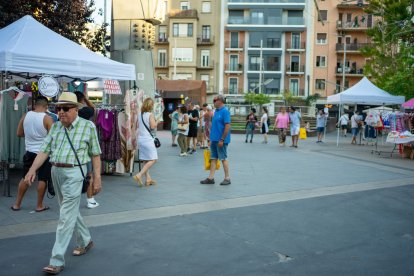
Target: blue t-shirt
{"points": [[220, 119], [294, 118]]}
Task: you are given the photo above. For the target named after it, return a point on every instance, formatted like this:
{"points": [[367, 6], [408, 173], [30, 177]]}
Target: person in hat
{"points": [[66, 175]]}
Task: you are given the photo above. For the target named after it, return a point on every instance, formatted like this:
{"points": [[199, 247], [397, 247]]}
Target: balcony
{"points": [[210, 89], [161, 66], [269, 24], [295, 47], [232, 91], [202, 40], [272, 43], [353, 47], [298, 92], [234, 45], [295, 70], [233, 68], [267, 67], [350, 72], [354, 26], [206, 65], [351, 6], [282, 4], [161, 40], [186, 14]]}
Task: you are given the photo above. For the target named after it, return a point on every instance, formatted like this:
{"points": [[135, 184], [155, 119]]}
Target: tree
{"points": [[391, 58], [69, 18]]}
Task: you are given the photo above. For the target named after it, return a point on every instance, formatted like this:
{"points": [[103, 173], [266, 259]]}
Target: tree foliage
{"points": [[69, 18], [391, 58], [259, 99]]}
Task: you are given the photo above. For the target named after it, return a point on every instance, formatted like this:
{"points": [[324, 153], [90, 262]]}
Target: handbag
{"points": [[86, 179], [50, 189], [302, 133], [182, 127], [157, 142]]}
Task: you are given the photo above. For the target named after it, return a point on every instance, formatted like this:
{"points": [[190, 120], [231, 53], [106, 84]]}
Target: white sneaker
{"points": [[92, 205], [183, 154]]}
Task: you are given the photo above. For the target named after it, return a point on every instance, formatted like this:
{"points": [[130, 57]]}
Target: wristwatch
{"points": [[222, 139]]}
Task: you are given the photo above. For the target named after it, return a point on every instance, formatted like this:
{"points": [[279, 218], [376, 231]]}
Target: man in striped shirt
{"points": [[67, 177]]}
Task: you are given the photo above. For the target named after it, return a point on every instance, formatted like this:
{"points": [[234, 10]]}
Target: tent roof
{"points": [[409, 103], [365, 92], [179, 85], [27, 46]]}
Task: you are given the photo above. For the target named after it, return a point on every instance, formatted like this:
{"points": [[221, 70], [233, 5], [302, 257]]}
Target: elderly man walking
{"points": [[219, 140], [67, 177]]}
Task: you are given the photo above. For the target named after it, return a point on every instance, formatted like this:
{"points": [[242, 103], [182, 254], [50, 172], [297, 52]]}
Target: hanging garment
{"points": [[12, 109], [110, 146], [125, 164], [105, 121]]}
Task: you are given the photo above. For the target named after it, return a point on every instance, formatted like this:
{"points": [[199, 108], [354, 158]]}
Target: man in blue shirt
{"points": [[219, 140]]}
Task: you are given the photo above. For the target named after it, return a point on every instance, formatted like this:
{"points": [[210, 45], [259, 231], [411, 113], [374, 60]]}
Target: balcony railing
{"points": [[299, 92], [295, 69], [353, 5], [296, 46], [350, 71], [267, 43], [233, 91], [354, 25], [266, 1], [162, 40], [206, 65], [234, 44], [352, 46], [183, 14], [233, 67], [266, 67], [210, 89], [203, 40], [269, 21]]}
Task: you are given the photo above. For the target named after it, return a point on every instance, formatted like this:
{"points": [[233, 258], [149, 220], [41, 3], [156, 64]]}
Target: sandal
{"points": [[138, 180], [53, 270], [151, 182], [79, 251]]}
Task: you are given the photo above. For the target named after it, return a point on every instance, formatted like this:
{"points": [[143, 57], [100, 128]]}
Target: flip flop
{"points": [[43, 209], [15, 209], [79, 251], [53, 270]]}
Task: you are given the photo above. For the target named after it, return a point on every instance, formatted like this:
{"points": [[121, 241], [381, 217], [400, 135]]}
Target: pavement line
{"points": [[42, 227]]}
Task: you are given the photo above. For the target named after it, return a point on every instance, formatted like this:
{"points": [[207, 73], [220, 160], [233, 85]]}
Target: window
{"points": [[254, 63], [185, 5], [234, 63], [205, 78], [206, 33], [294, 64], [236, 17], [182, 29], [206, 7], [294, 87], [320, 84], [257, 18], [323, 15], [320, 61], [162, 34], [234, 40], [183, 76], [295, 40], [205, 58], [321, 38], [295, 18], [233, 87], [182, 54], [162, 58]]}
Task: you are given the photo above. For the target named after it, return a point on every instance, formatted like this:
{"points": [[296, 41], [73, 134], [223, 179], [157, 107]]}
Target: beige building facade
{"points": [[187, 42], [340, 31]]}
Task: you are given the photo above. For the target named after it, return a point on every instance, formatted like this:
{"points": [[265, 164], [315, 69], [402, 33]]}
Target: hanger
{"points": [[12, 88]]}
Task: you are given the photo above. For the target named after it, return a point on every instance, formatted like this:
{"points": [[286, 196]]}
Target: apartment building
{"points": [[187, 42], [340, 33], [265, 47]]}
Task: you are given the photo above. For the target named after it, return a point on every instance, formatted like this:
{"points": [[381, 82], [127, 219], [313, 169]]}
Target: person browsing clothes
{"points": [[66, 175]]}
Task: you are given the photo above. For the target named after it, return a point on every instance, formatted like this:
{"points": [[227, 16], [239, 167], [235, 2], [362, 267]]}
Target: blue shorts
{"points": [[320, 129], [355, 131], [217, 152]]}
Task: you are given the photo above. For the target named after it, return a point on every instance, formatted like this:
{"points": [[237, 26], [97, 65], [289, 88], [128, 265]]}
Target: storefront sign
{"points": [[112, 87], [48, 86]]}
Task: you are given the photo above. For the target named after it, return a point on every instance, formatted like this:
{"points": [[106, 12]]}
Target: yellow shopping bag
{"points": [[302, 133], [207, 161]]}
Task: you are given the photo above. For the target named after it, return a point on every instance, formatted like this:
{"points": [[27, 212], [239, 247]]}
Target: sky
{"points": [[99, 4]]}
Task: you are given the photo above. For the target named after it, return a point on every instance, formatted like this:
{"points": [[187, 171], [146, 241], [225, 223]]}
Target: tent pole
{"points": [[338, 129]]}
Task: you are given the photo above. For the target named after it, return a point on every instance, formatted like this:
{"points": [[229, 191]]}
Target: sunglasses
{"points": [[215, 100], [64, 108]]}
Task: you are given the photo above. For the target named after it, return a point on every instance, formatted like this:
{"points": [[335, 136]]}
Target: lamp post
{"points": [[261, 67], [343, 64]]}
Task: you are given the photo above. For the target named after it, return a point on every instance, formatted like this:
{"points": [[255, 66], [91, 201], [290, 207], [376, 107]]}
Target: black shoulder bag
{"points": [[157, 142], [87, 178]]}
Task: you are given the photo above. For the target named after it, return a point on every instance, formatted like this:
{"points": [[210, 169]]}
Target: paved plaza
{"points": [[315, 210]]}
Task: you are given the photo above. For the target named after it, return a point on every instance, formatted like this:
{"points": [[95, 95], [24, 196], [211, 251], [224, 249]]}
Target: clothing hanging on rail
{"points": [[13, 106]]}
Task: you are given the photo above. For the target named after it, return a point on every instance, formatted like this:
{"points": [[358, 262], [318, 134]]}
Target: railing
{"points": [[266, 1], [266, 21], [210, 89], [267, 43], [234, 44], [353, 25], [237, 91], [162, 40], [296, 46], [300, 92], [266, 67], [206, 65], [350, 70], [352, 46], [233, 67], [295, 69], [202, 40]]}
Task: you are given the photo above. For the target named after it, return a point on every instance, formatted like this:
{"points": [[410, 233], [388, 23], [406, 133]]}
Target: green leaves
{"points": [[254, 98]]}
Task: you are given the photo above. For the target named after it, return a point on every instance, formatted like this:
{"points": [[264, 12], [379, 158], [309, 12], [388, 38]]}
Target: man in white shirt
{"points": [[355, 120]]}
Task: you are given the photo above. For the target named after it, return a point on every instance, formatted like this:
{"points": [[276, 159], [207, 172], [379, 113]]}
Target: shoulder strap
{"points": [[142, 118], [74, 151]]}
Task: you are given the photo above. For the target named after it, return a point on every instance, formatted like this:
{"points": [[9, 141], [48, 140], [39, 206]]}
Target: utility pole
{"points": [[261, 67], [175, 59], [343, 64]]}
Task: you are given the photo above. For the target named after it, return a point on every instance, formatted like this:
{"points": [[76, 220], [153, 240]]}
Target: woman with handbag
{"points": [[183, 123], [147, 150]]}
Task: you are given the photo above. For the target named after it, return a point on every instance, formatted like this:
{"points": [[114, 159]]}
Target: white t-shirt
{"points": [[182, 118], [354, 121], [344, 119]]}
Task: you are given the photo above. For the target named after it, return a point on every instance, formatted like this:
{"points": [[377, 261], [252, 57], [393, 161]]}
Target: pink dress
{"points": [[282, 120]]}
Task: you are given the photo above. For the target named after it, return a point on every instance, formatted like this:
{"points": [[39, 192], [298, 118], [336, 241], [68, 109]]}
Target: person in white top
{"points": [[264, 121], [34, 126], [147, 150], [343, 123]]}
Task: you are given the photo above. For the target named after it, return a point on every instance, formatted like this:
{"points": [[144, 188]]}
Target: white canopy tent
{"points": [[29, 48], [363, 92]]}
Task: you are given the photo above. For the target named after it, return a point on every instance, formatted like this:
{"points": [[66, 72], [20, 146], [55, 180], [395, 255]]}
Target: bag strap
{"points": [[74, 151], [142, 118]]}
